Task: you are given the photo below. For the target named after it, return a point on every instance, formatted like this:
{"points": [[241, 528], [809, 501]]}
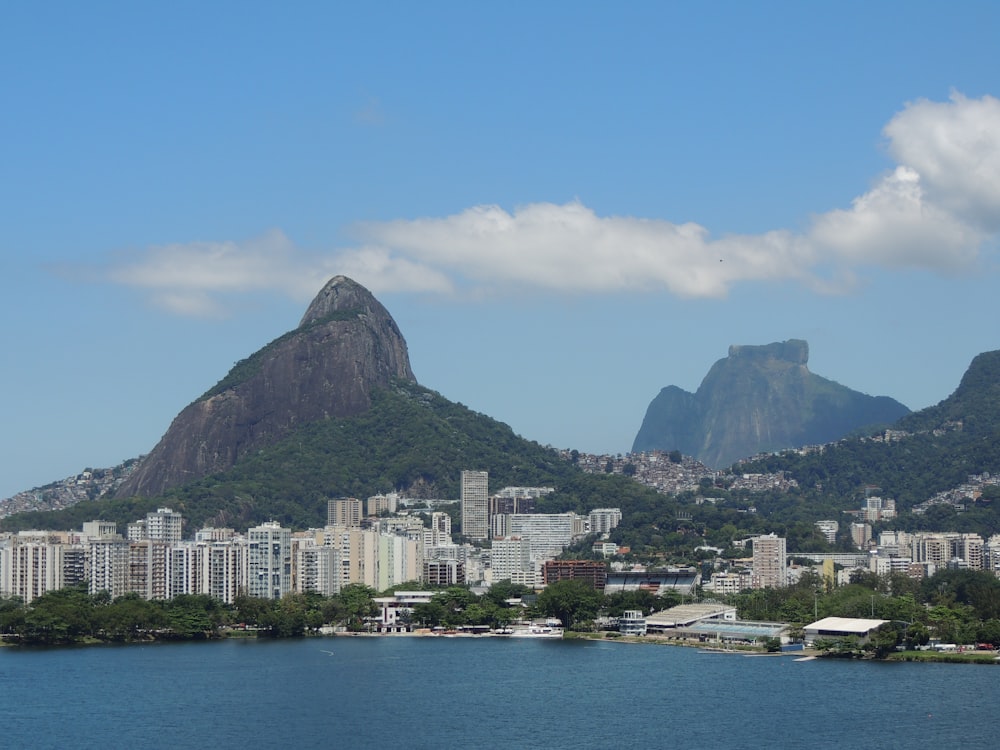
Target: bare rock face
{"points": [[758, 399], [346, 346]]}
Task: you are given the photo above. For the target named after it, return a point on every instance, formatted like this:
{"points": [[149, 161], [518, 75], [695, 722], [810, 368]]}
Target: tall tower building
{"points": [[770, 561], [269, 561], [475, 505]]}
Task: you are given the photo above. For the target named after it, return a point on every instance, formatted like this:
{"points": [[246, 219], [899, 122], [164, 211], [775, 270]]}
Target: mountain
{"points": [[758, 399], [933, 451], [975, 404], [330, 409], [345, 347]]}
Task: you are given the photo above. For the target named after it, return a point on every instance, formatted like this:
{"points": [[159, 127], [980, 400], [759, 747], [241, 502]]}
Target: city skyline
{"points": [[565, 208]]}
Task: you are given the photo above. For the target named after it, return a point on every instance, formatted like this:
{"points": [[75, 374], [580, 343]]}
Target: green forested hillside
{"points": [[947, 442], [411, 439]]}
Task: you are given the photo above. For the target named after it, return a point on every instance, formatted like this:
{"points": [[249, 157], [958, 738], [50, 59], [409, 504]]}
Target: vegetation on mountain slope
{"points": [[411, 439]]}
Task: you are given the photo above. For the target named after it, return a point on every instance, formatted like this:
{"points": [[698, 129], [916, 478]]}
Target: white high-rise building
{"points": [[107, 565], [32, 566], [603, 520], [221, 568], [400, 560], [475, 505], [510, 559], [318, 568], [439, 533], [549, 533], [269, 561], [165, 525]]}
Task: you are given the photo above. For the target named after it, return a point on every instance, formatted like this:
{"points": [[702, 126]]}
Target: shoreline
{"points": [[803, 654]]}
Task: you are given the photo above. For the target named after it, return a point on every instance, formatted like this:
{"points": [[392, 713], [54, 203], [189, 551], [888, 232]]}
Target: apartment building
{"points": [[269, 561], [343, 511], [603, 520], [475, 505], [770, 562]]}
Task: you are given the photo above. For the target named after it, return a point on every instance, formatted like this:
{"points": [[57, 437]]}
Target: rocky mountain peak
{"points": [[758, 399], [346, 346], [340, 294], [794, 351]]}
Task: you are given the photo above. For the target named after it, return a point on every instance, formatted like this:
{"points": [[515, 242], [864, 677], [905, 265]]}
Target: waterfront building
{"points": [[632, 622], [842, 627], [396, 611], [475, 505], [269, 561], [32, 565]]}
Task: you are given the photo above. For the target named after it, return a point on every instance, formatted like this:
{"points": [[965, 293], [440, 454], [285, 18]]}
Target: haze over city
{"points": [[565, 207]]}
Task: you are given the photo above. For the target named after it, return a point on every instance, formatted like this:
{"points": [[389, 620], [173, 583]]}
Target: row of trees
{"points": [[72, 615], [958, 606]]}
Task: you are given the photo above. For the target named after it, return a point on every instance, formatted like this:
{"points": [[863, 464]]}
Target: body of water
{"points": [[398, 692]]}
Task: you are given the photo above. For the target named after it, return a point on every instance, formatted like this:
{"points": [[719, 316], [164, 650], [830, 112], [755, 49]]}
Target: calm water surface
{"points": [[486, 692]]}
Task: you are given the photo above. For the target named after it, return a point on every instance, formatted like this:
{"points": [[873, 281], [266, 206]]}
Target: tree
{"points": [[571, 601], [358, 605], [883, 641]]}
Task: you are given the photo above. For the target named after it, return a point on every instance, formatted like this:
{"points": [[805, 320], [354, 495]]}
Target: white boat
{"points": [[534, 630]]}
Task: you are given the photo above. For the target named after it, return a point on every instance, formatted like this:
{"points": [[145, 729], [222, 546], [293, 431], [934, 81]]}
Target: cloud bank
{"points": [[933, 212]]}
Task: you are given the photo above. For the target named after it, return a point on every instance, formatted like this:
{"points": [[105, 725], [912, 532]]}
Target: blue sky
{"points": [[565, 206]]}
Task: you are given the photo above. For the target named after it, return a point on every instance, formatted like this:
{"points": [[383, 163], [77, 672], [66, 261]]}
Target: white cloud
{"points": [[569, 248], [932, 212], [893, 226], [955, 148]]}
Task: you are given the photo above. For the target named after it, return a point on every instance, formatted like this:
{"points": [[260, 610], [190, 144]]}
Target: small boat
{"points": [[535, 630]]}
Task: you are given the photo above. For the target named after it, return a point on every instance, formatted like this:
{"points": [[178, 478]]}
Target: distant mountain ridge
{"points": [[759, 399]]}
